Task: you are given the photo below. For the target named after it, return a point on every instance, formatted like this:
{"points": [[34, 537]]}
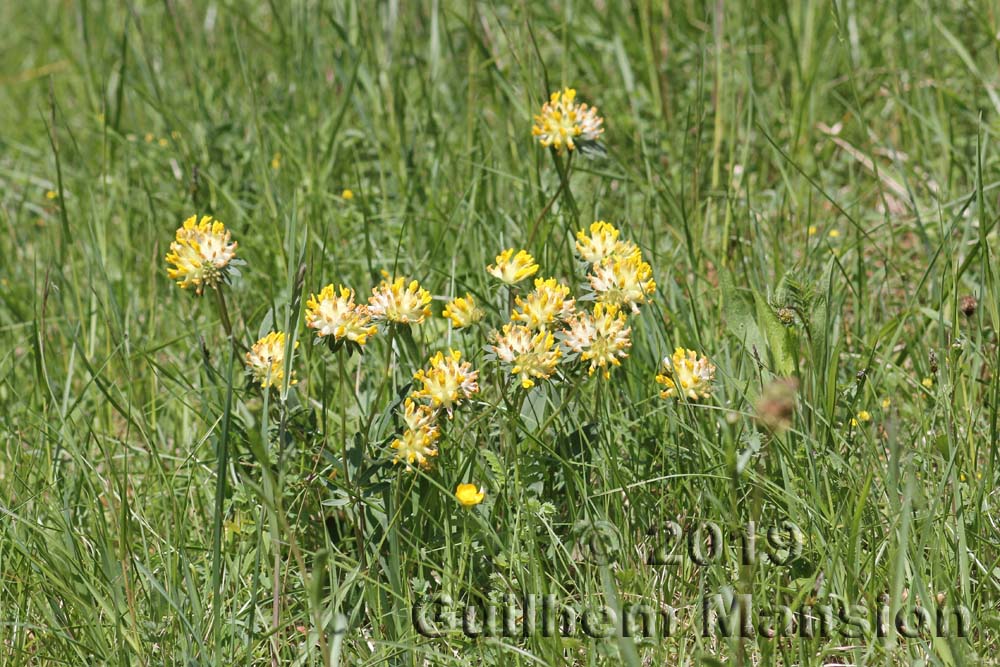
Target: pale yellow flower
{"points": [[562, 122], [602, 243], [463, 312], [623, 280], [266, 360], [347, 195], [200, 253], [927, 382], [334, 313], [399, 302], [417, 416], [544, 305], [530, 355], [834, 233], [886, 403], [447, 380], [686, 373], [468, 495], [416, 447], [276, 161], [511, 268], [602, 339]]}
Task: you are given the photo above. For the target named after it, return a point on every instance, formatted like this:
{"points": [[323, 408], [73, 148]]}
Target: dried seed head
{"points": [[968, 304]]}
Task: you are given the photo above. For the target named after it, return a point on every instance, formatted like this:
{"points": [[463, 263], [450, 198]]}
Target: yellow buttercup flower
{"points": [[399, 302], [200, 253], [544, 305], [416, 447], [468, 495], [276, 161], [562, 122], [686, 373], [927, 382], [334, 313], [623, 280], [864, 416], [886, 403], [51, 194], [447, 380], [602, 243], [530, 355], [511, 268], [463, 312], [347, 195], [602, 339], [266, 360]]}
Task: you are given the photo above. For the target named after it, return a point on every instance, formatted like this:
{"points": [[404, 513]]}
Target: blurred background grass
{"points": [[833, 159]]}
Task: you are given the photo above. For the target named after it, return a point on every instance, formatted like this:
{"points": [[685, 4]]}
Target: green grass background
{"points": [[732, 129]]}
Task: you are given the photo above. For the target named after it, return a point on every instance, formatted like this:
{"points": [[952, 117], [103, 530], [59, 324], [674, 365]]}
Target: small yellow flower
{"points": [[334, 313], [200, 253], [927, 382], [400, 302], [468, 495], [834, 233], [149, 137], [602, 338], [864, 416], [886, 403], [530, 355], [266, 360], [347, 195], [548, 302], [601, 244], [276, 161], [447, 381], [687, 372], [163, 143], [563, 122], [51, 194], [623, 280], [416, 447], [511, 268], [463, 312], [418, 417], [812, 230]]}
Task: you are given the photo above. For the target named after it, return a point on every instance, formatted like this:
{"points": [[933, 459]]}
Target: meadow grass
{"points": [[815, 186]]}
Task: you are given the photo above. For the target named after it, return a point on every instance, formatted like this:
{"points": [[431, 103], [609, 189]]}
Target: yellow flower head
{"points": [[686, 373], [623, 280], [530, 355], [400, 302], [886, 403], [447, 380], [602, 338], [417, 416], [602, 243], [864, 416], [468, 495], [463, 312], [347, 195], [334, 313], [563, 122], [416, 447], [548, 302], [200, 253], [266, 360], [511, 268]]}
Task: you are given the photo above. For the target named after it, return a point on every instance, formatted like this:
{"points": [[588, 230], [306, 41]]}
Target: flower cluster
{"points": [[686, 373], [266, 360], [562, 122], [617, 273], [200, 254], [333, 313]]}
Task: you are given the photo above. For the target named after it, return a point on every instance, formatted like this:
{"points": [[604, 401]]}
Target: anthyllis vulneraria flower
{"points": [[334, 313], [546, 304], [463, 312], [511, 268], [447, 381], [623, 280], [399, 302], [468, 495], [266, 360], [563, 122], [416, 447], [602, 243], [602, 339], [531, 356], [200, 253], [686, 373]]}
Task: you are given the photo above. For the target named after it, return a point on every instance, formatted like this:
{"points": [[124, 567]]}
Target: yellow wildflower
{"points": [[276, 161], [602, 243], [266, 360], [347, 195], [927, 382], [447, 380], [602, 338], [623, 280], [468, 495], [149, 137], [511, 268], [463, 312], [200, 253], [163, 143], [416, 447], [687, 372], [886, 403], [530, 355], [812, 230], [864, 416], [548, 302], [834, 233], [51, 194], [418, 417], [563, 122], [400, 302], [334, 313]]}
